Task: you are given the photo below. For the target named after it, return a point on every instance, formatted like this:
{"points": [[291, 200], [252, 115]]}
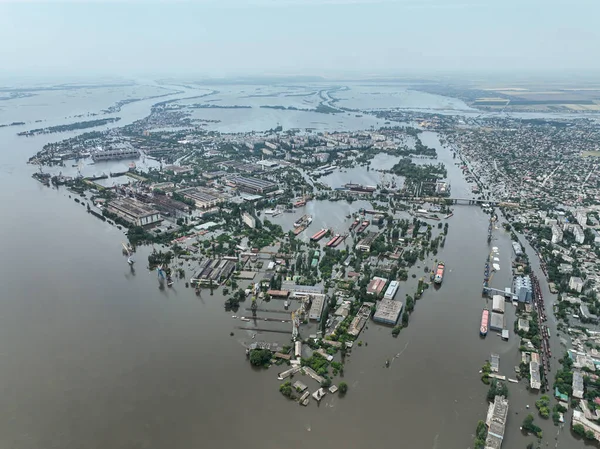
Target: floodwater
{"points": [[94, 355]]}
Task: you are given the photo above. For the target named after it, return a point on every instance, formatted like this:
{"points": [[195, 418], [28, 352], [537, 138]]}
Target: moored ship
{"points": [[305, 220], [319, 235], [439, 273], [363, 226], [483, 329]]}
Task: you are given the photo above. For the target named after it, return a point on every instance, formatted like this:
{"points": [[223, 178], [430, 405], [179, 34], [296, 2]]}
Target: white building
{"points": [[581, 217], [579, 234], [576, 283], [134, 212], [249, 220], [557, 234]]}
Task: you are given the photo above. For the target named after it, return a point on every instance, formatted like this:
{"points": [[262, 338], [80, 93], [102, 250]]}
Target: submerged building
{"points": [[388, 311], [523, 289], [496, 422], [134, 212]]}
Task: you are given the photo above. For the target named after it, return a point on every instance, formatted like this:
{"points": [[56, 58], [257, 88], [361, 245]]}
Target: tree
{"points": [[579, 430], [286, 389], [480, 435], [405, 319], [260, 357], [589, 434], [343, 387]]}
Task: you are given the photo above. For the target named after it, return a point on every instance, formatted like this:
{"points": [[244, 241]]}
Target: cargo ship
{"points": [[339, 240], [300, 203], [305, 220], [331, 242], [360, 188], [299, 229], [485, 315], [354, 224], [439, 273], [363, 226], [319, 235]]}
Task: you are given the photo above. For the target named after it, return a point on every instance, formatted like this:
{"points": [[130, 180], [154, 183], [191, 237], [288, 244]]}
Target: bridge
{"points": [[458, 201]]}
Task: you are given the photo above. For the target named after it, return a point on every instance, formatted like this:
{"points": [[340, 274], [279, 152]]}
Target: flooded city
{"points": [[95, 355]]}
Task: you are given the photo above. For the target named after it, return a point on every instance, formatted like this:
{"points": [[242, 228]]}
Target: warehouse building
{"points": [[496, 422], [498, 303], [316, 307], [366, 242], [391, 290], [115, 154], [535, 380], [252, 185], [376, 286], [134, 212], [203, 198], [388, 311], [497, 321]]}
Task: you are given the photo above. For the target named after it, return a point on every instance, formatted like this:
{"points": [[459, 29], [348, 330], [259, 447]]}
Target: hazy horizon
{"points": [[303, 37]]}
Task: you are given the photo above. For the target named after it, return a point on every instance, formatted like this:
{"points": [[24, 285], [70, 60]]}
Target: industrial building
{"points": [[365, 243], [391, 290], [252, 185], [360, 319], [517, 249], [577, 384], [203, 198], [497, 321], [134, 212], [388, 311], [169, 206], [213, 271], [376, 286], [301, 290], [496, 422], [316, 306], [535, 381], [116, 153], [523, 289], [498, 303]]}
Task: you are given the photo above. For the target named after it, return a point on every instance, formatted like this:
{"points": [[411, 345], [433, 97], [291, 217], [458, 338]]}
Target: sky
{"points": [[307, 37]]}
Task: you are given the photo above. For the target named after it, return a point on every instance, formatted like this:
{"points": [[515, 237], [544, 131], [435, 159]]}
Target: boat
{"points": [[339, 240], [300, 203], [244, 318], [354, 224], [363, 226], [299, 229], [439, 273], [319, 235], [305, 220], [483, 329], [333, 240]]}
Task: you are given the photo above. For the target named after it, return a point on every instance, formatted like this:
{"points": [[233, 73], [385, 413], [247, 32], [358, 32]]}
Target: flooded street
{"points": [[94, 355]]}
